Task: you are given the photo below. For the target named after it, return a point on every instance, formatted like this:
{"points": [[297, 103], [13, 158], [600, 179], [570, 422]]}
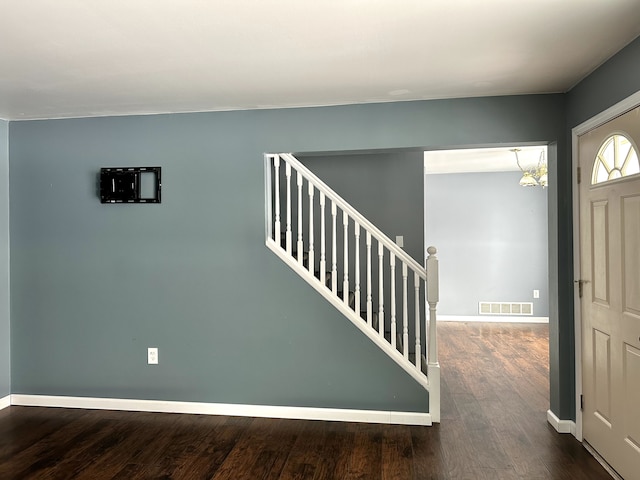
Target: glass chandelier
{"points": [[533, 176]]}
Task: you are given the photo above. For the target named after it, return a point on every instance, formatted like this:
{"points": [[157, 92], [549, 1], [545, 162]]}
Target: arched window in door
{"points": [[616, 159]]}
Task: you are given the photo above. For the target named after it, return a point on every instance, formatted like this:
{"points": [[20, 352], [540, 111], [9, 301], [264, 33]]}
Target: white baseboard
{"points": [[492, 319], [263, 411], [5, 402], [561, 426]]}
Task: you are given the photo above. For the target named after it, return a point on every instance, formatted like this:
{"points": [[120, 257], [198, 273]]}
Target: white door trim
{"points": [[601, 118]]}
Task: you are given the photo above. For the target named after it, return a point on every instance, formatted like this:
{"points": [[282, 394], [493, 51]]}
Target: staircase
{"points": [[357, 268]]}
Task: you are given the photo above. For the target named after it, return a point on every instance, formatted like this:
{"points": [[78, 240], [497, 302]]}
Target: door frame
{"points": [[603, 117]]}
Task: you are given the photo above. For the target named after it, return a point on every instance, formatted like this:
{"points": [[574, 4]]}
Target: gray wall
{"points": [[92, 286], [492, 235], [74, 259], [5, 357], [615, 80]]}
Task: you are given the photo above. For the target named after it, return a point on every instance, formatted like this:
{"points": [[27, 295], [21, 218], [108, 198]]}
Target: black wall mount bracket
{"points": [[130, 185]]}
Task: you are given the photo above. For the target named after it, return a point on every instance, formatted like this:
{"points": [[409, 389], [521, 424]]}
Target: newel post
{"points": [[432, 300], [433, 367]]}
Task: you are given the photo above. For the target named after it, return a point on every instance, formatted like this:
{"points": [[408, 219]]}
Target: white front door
{"points": [[610, 264]]}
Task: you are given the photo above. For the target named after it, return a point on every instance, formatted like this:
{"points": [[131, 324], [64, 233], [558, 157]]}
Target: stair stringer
{"points": [[361, 324]]}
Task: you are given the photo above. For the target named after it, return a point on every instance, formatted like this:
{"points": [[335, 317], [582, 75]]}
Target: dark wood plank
{"points": [[210, 447], [318, 451], [365, 459], [397, 453], [428, 462]]}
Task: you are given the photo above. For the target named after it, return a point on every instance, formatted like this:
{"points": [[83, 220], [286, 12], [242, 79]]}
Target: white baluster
{"points": [[405, 313], [334, 247], [416, 287], [369, 296], [356, 289], [380, 289], [278, 232], [323, 253], [394, 330], [311, 259], [300, 246], [288, 231], [345, 283]]}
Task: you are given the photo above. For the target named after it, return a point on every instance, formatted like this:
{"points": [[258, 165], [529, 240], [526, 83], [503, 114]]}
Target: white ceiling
{"points": [[69, 58], [500, 159]]}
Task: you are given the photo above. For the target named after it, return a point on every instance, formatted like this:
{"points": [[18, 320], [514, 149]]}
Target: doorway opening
{"points": [[494, 232]]}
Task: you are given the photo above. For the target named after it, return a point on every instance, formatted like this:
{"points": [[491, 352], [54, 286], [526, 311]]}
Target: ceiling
{"points": [[467, 160], [75, 58]]}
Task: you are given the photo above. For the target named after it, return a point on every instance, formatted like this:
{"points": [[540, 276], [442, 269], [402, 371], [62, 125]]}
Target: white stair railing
{"points": [[398, 323]]}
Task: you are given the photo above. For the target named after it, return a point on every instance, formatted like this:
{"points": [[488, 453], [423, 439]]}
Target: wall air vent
{"points": [[505, 308]]}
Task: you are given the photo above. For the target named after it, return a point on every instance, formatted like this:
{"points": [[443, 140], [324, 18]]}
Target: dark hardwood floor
{"points": [[495, 395]]}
